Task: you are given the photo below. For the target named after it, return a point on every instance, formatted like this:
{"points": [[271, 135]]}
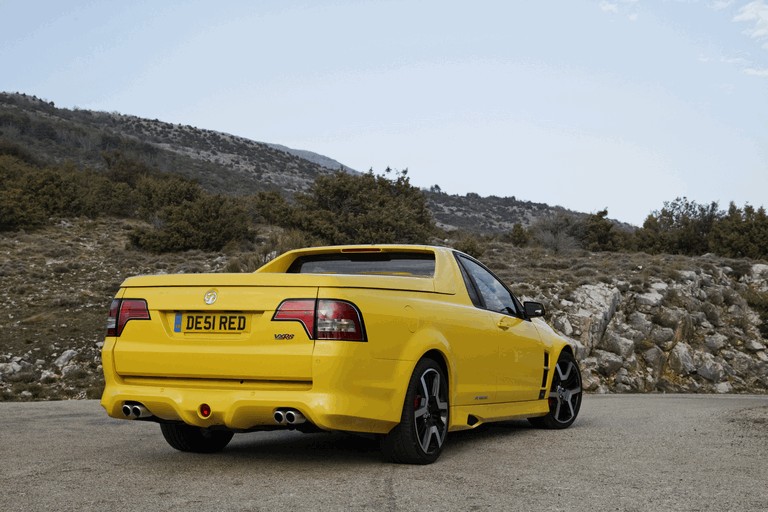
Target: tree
{"points": [[681, 227], [599, 233], [741, 233], [343, 208], [557, 233], [519, 236]]}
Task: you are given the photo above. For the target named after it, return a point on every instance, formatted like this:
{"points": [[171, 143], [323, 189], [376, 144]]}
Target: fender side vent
{"points": [[472, 420]]}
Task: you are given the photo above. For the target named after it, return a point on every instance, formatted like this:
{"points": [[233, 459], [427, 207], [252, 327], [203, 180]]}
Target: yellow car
{"points": [[404, 342]]}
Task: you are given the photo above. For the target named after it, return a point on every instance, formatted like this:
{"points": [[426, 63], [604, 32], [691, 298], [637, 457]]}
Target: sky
{"points": [[621, 104]]}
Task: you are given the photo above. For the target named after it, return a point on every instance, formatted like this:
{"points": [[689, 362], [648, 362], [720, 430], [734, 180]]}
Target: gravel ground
{"points": [[625, 452]]}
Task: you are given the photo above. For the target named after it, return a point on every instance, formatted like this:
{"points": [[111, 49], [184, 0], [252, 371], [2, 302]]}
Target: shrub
{"points": [[207, 223], [347, 209], [470, 245]]}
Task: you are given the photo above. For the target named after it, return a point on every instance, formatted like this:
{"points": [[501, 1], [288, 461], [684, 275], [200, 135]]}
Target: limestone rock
{"points": [[680, 359], [65, 358], [608, 363]]}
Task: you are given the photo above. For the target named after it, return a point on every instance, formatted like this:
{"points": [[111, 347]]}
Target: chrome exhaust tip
{"points": [[127, 412], [293, 417], [139, 411], [279, 417]]}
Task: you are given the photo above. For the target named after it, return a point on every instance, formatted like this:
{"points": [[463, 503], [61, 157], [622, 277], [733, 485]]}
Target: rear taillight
{"points": [[338, 320], [123, 310], [324, 319]]}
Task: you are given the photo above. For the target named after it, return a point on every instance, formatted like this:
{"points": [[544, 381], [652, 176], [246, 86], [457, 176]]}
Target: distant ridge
{"points": [[328, 163]]}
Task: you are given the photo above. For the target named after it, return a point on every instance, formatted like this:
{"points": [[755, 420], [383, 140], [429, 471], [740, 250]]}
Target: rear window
{"points": [[378, 263]]}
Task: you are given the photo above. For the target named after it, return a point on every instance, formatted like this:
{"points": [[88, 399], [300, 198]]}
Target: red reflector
{"points": [[299, 310], [205, 410]]}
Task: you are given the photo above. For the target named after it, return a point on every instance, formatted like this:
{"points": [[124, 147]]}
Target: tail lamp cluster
{"points": [[122, 311], [324, 319]]}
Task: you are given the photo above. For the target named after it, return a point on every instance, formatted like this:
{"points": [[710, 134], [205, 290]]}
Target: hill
{"points": [[220, 162]]}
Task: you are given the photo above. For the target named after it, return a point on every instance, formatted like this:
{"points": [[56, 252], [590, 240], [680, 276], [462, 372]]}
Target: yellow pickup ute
{"points": [[407, 343]]}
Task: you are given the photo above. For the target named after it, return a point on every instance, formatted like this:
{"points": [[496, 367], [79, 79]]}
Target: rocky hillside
{"points": [[641, 323], [220, 162], [652, 323], [477, 214]]}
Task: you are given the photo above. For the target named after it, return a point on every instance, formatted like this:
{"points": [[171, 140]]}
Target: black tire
{"points": [[187, 438], [564, 395], [423, 428]]}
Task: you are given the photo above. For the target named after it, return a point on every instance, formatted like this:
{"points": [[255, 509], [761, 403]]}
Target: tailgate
{"points": [[215, 332]]}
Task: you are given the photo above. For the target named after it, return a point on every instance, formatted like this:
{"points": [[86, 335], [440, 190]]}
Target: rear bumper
{"points": [[349, 391]]}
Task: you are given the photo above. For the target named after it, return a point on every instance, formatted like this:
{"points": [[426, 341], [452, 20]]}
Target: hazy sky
{"points": [[621, 104]]}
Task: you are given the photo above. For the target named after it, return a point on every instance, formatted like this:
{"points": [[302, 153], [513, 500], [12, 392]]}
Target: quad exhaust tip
{"points": [[289, 417]]}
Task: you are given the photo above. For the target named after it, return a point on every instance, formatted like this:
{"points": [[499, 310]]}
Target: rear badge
{"points": [[210, 297]]}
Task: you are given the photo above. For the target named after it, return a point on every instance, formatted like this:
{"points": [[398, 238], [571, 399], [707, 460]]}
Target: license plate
{"points": [[210, 322]]}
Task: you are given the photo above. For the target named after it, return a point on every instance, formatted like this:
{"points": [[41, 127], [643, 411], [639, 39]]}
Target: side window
{"points": [[493, 294]]}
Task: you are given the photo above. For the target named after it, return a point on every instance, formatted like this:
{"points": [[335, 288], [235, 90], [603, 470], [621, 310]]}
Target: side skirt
{"points": [[464, 417]]}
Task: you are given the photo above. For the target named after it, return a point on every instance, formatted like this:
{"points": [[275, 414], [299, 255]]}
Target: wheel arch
{"points": [[554, 357], [429, 343], [440, 359]]}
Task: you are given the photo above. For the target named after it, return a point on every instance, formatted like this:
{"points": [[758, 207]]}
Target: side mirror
{"points": [[533, 309]]}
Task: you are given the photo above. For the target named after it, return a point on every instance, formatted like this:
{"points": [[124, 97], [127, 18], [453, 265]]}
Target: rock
{"points": [[680, 359], [640, 323], [69, 370], [708, 367], [753, 345], [612, 342], [589, 381], [663, 337], [607, 362], [655, 358], [715, 342], [48, 376], [597, 304], [759, 276], [578, 348], [651, 299], [562, 324], [622, 376], [723, 387], [9, 368], [65, 358]]}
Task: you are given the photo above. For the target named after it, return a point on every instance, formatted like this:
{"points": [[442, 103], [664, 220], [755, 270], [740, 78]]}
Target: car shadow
{"points": [[339, 447]]}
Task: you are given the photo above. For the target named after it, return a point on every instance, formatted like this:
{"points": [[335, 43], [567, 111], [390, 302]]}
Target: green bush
{"points": [[358, 209], [208, 223]]}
